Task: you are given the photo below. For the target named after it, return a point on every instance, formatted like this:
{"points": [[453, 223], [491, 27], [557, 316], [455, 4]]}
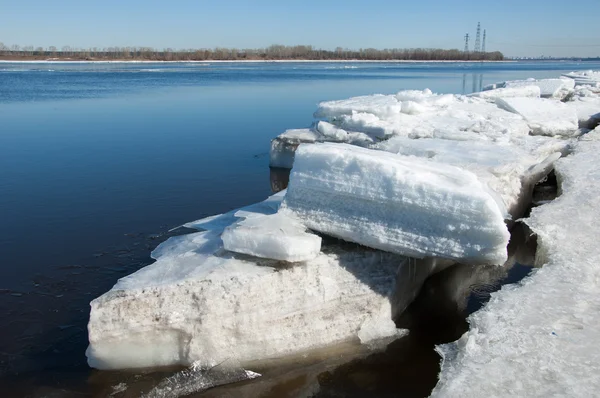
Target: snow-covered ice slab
{"points": [[549, 88], [538, 338], [200, 304], [544, 116], [410, 206], [213, 307], [510, 170], [277, 237], [427, 115], [410, 113], [378, 104], [588, 77], [508, 92], [586, 102]]}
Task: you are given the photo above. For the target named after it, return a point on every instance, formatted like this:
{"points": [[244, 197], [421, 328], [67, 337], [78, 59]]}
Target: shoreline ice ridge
{"points": [[415, 173], [546, 347]]}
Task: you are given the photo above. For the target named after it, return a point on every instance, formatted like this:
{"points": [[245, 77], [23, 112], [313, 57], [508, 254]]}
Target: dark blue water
{"points": [[99, 161]]}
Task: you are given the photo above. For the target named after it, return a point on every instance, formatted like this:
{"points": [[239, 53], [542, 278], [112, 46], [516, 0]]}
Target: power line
{"points": [[483, 47], [478, 39]]}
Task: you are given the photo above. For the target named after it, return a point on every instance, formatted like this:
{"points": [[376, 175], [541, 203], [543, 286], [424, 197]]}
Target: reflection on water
{"points": [[476, 83]]}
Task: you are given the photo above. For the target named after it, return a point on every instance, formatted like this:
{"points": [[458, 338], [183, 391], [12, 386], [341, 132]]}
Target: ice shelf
{"points": [[414, 207], [538, 338]]}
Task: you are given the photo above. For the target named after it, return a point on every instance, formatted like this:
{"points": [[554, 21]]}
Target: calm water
{"points": [[99, 161]]}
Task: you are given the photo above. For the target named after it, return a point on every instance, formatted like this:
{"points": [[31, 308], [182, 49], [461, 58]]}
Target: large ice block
{"points": [[544, 116], [406, 205], [200, 304], [510, 170]]}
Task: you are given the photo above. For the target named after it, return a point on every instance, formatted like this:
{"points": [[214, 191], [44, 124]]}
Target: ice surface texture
{"points": [[539, 338], [410, 206]]}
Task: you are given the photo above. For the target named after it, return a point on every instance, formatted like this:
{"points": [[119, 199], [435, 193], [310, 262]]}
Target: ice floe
{"points": [[413, 206], [199, 303], [544, 116], [538, 338], [277, 237]]}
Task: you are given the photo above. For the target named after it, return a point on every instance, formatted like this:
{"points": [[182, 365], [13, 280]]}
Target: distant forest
{"points": [[274, 52]]}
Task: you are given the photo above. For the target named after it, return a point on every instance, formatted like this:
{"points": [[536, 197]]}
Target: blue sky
{"points": [[517, 28]]}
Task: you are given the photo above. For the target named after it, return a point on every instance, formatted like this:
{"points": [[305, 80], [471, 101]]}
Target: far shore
{"points": [[104, 61]]}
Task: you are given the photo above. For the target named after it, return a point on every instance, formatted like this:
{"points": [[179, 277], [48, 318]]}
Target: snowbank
{"points": [[412, 206], [538, 338]]}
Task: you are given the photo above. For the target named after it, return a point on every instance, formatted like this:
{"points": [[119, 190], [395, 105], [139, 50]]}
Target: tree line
{"points": [[274, 52]]}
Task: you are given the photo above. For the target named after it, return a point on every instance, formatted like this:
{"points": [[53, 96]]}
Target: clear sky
{"points": [[517, 28]]}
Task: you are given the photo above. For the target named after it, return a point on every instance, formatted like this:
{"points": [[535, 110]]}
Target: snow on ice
{"points": [[538, 338], [414, 207], [588, 77], [415, 173], [275, 236], [544, 116], [199, 303]]}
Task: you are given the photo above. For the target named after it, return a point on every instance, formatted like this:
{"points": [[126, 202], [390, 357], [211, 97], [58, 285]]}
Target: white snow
{"points": [[439, 116], [544, 116], [378, 104], [274, 236], [538, 338], [507, 92], [404, 205], [586, 102], [588, 77], [549, 88], [509, 169]]}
